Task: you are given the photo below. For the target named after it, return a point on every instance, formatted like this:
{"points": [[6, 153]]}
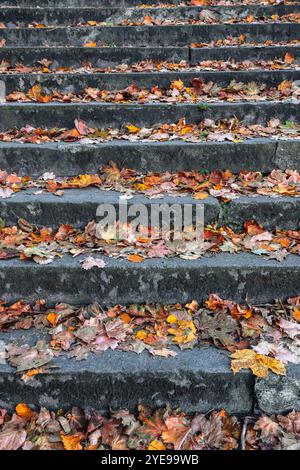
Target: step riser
{"points": [[76, 83], [71, 159], [103, 115], [74, 57], [181, 35], [69, 16], [195, 381], [239, 277], [78, 208]]}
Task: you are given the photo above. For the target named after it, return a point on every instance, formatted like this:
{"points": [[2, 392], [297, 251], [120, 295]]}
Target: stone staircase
{"points": [[198, 379]]}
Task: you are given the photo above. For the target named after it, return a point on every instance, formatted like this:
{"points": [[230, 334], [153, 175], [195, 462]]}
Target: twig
{"points": [[244, 433]]}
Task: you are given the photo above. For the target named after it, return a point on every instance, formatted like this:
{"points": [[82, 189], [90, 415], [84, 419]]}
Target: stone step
{"points": [[112, 56], [93, 3], [73, 158], [180, 35], [52, 16], [77, 82], [79, 206], [196, 380], [103, 115], [240, 277]]}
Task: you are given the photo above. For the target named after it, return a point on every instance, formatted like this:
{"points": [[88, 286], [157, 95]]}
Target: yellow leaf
{"points": [[133, 129], [71, 442], [141, 335], [177, 85], [156, 445], [172, 319], [275, 365], [200, 195], [24, 411], [259, 364]]}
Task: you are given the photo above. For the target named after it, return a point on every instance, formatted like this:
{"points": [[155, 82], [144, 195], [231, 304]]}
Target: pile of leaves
{"points": [[178, 92], [261, 338], [243, 40], [204, 17], [223, 185], [147, 429], [212, 3], [42, 245], [222, 130], [46, 65]]}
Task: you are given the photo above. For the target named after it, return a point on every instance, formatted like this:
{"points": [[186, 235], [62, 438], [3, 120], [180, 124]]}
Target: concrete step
{"points": [[78, 206], [180, 35], [103, 115], [72, 16], [71, 56], [77, 82], [196, 380], [239, 54], [95, 3], [240, 277], [73, 158]]}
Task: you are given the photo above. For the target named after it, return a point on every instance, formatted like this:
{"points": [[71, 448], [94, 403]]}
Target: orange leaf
{"points": [[24, 411], [90, 44], [71, 442], [52, 318], [125, 318], [296, 314], [200, 195], [135, 258], [289, 58]]}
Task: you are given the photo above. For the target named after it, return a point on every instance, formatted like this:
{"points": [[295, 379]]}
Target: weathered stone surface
{"points": [[239, 277], [66, 159], [101, 115], [279, 394], [272, 213], [77, 82], [177, 35], [78, 207], [194, 380], [114, 15]]}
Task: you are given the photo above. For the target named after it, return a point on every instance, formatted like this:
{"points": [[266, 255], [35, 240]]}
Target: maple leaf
{"points": [[258, 363], [13, 434], [267, 426], [291, 422], [155, 425], [176, 428]]}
